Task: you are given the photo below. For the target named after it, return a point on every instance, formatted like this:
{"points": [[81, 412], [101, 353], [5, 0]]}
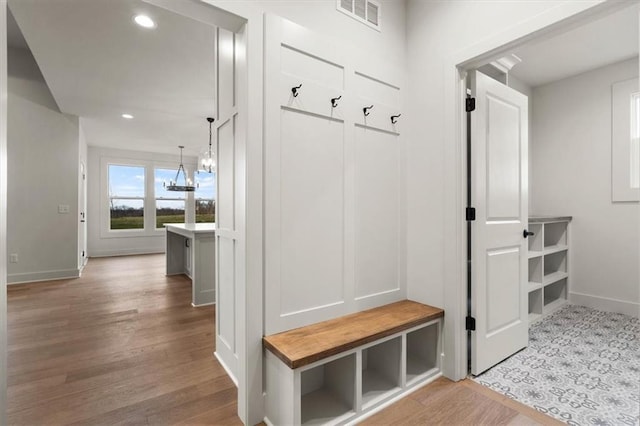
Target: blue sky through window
{"points": [[126, 181]]}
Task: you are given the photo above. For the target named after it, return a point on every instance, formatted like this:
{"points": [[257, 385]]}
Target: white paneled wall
{"points": [[334, 197], [229, 207]]}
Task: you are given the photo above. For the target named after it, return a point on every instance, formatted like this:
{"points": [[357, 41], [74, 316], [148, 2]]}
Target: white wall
{"points": [[151, 241], [439, 36], [321, 16], [436, 31], [571, 175], [43, 148]]}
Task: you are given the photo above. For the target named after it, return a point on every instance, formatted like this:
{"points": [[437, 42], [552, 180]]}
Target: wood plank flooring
{"points": [[122, 345], [444, 402]]}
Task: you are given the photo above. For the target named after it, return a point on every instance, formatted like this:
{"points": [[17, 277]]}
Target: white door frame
{"points": [[246, 21], [3, 211], [566, 15]]}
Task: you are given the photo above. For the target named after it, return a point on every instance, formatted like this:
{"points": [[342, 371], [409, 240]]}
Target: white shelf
{"points": [[534, 253], [553, 306], [554, 277], [548, 267], [533, 286], [323, 406], [555, 249], [376, 387], [381, 371], [533, 317]]}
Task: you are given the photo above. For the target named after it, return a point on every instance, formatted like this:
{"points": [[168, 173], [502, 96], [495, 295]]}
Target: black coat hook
{"points": [[366, 110], [294, 90], [394, 118], [334, 101]]}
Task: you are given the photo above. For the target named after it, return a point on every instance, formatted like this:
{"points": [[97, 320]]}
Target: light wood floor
{"points": [[122, 345]]}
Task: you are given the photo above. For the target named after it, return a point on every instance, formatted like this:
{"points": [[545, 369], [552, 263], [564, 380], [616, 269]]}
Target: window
{"points": [[635, 141], [170, 205], [126, 197], [625, 141], [205, 198]]}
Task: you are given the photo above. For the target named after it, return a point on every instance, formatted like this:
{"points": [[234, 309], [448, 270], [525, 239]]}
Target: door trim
{"points": [[545, 25]]}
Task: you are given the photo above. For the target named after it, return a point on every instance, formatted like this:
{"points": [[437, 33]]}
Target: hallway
{"points": [[120, 345]]}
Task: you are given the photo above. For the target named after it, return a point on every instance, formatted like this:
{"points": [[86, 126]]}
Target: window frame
{"points": [[149, 200], [622, 122]]}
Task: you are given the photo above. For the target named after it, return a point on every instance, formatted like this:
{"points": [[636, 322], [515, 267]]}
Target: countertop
{"points": [[195, 228], [544, 219]]}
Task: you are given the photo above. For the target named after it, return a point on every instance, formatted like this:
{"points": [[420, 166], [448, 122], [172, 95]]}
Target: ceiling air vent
{"points": [[366, 11]]}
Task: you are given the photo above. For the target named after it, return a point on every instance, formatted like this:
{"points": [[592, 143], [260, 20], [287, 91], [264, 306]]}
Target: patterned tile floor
{"points": [[582, 366]]}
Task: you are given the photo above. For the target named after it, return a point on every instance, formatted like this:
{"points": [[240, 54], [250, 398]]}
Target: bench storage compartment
{"points": [[343, 369]]}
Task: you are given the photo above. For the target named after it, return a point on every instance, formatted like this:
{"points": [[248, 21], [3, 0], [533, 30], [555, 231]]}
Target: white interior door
{"points": [[499, 192], [82, 227]]}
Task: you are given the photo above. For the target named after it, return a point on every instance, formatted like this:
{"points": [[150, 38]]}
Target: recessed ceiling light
{"points": [[127, 116], [144, 21]]}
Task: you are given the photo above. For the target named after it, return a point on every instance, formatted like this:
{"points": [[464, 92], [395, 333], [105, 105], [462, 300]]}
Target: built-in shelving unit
{"points": [[548, 265], [353, 365]]}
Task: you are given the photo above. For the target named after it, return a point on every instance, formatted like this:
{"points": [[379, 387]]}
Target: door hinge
{"points": [[470, 104], [471, 213], [470, 324]]}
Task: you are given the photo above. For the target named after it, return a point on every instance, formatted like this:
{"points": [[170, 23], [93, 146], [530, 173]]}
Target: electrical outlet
{"points": [[13, 258], [63, 208]]}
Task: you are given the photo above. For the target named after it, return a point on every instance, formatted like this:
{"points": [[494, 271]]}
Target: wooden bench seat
{"points": [[305, 345]]}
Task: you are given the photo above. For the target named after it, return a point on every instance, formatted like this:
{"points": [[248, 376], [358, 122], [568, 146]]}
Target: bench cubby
{"points": [[345, 369], [422, 355]]}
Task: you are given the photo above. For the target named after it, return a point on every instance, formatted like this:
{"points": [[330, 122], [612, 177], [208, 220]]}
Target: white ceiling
{"points": [[99, 64], [602, 42]]}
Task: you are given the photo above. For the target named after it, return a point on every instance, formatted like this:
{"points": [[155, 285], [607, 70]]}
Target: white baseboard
{"points": [[606, 304], [125, 252], [30, 277], [226, 368]]}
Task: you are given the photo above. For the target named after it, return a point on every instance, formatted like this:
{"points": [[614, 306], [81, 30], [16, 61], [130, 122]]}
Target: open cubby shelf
{"points": [[328, 391], [381, 370], [548, 266]]}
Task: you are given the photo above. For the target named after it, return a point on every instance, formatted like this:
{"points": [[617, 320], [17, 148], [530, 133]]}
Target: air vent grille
{"points": [[366, 11]]}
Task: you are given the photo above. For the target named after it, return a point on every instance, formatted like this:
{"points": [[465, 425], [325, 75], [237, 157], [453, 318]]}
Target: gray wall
{"points": [[43, 153], [571, 175]]}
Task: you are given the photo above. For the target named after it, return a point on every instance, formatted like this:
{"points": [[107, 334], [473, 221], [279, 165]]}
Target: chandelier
{"points": [[207, 160], [173, 184]]}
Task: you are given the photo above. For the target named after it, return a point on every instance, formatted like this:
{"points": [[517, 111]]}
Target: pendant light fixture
{"points": [[207, 160], [188, 184]]}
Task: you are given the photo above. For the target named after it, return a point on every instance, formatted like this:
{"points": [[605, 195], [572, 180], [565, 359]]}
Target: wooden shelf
{"points": [[305, 345], [554, 277]]}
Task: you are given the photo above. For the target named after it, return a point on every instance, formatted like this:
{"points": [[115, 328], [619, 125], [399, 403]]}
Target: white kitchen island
{"points": [[190, 250]]}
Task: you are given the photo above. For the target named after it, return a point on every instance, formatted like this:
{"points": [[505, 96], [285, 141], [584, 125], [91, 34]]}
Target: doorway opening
{"points": [[128, 95], [572, 320]]}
